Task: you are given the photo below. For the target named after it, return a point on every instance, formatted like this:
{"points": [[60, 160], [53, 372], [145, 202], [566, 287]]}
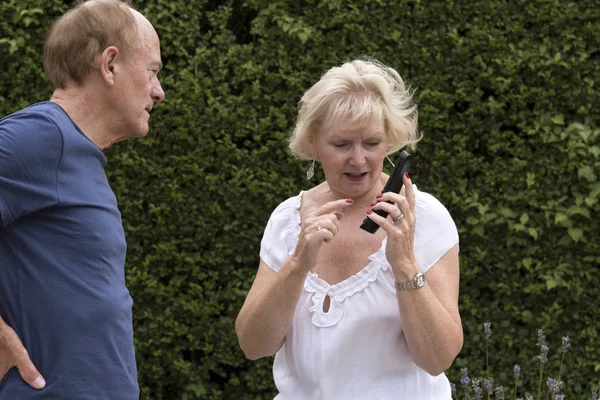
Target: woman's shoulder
{"points": [[288, 206], [426, 203]]}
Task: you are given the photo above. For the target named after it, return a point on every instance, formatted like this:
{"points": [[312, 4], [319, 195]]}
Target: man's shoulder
{"points": [[35, 109], [30, 134], [32, 123]]}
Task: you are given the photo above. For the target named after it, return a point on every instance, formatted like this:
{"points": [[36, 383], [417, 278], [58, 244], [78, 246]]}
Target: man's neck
{"points": [[87, 115]]}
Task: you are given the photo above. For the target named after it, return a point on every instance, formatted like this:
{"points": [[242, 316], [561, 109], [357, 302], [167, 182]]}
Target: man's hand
{"points": [[13, 354]]}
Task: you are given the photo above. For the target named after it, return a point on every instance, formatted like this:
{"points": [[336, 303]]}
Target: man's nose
{"points": [[157, 93]]}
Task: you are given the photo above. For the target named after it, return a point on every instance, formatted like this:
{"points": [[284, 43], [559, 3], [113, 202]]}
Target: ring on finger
{"points": [[398, 218], [318, 226]]}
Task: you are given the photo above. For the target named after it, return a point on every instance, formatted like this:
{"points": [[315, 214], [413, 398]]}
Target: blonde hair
{"points": [[357, 93], [84, 32]]}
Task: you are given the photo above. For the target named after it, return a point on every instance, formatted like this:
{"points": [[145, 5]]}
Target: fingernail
{"points": [[380, 195], [369, 212], [349, 201], [39, 383], [407, 175], [373, 205]]}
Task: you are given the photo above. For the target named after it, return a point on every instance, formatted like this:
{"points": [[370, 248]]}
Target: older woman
{"points": [[349, 314]]}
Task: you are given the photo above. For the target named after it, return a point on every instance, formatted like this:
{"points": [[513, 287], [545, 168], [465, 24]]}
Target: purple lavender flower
{"points": [[530, 398], [543, 354], [477, 389], [559, 397], [566, 344], [499, 393], [488, 384], [464, 380], [453, 388], [541, 338], [487, 329], [517, 371], [554, 386]]}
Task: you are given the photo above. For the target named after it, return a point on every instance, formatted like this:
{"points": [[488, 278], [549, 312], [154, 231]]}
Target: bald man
{"points": [[65, 313]]}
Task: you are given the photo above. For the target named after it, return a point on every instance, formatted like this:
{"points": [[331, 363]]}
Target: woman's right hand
{"points": [[319, 227]]}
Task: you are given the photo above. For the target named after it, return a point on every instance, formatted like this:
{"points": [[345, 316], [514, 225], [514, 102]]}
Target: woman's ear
{"points": [[312, 147]]}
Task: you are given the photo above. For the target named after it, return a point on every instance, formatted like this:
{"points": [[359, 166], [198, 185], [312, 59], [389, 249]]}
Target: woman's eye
{"points": [[339, 144], [373, 144]]}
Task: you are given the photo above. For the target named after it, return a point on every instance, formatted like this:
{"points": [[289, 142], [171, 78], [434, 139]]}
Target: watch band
{"points": [[415, 283]]}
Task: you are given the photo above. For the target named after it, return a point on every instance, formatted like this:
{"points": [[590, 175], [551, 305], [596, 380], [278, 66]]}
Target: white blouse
{"points": [[356, 350]]}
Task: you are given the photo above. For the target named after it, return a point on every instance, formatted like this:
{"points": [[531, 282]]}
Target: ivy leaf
{"points": [[575, 234], [587, 172]]}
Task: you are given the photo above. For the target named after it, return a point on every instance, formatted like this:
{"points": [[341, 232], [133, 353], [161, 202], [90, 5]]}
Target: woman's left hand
{"points": [[400, 229]]}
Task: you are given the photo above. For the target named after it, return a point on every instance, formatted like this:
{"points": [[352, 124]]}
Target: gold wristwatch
{"points": [[415, 283]]}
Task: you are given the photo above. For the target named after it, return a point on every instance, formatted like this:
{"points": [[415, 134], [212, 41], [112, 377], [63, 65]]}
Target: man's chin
{"points": [[142, 132]]}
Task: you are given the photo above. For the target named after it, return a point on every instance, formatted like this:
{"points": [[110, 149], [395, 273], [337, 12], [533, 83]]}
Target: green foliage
{"points": [[511, 146]]}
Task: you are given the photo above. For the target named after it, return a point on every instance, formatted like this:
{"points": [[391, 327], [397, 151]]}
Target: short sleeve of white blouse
{"points": [[355, 350]]}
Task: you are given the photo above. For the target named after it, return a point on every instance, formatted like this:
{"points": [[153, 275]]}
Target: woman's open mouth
{"points": [[356, 177]]}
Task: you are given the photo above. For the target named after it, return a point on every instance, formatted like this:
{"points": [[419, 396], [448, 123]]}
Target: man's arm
{"points": [[13, 354], [30, 150]]}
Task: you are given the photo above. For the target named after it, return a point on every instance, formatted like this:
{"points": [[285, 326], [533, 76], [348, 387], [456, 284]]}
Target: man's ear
{"points": [[107, 64]]}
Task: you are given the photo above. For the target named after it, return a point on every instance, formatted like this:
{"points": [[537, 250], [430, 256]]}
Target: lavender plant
{"points": [[564, 346], [517, 374], [543, 358], [472, 385]]}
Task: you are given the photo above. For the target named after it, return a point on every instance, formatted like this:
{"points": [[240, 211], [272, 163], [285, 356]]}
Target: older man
{"points": [[64, 307]]}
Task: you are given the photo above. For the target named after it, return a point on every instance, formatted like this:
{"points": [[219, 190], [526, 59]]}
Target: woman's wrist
{"points": [[405, 270]]}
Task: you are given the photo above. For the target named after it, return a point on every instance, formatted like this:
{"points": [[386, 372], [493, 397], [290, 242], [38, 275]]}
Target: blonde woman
{"points": [[352, 315]]}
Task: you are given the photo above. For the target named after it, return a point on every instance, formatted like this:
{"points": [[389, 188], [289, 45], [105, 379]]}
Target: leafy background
{"points": [[508, 107]]}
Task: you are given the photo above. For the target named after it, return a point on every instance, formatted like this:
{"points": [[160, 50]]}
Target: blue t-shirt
{"points": [[62, 256]]}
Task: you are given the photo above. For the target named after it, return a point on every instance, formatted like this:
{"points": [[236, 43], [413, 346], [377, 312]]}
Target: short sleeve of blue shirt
{"points": [[29, 164]]}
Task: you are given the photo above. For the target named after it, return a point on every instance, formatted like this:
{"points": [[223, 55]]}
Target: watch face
{"points": [[420, 280]]}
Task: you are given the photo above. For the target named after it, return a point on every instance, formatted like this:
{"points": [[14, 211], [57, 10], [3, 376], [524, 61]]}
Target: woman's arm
{"points": [[430, 317], [267, 313]]}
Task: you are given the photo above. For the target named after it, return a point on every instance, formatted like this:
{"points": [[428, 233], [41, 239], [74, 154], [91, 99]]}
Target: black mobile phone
{"points": [[394, 184]]}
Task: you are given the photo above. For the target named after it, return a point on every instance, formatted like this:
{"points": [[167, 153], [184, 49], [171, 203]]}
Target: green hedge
{"points": [[508, 108]]}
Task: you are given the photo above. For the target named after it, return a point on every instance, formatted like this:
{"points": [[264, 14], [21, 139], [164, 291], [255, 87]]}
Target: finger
{"points": [[324, 232], [384, 223], [394, 210], [390, 197], [325, 223], [410, 191], [334, 206], [28, 371], [327, 235]]}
